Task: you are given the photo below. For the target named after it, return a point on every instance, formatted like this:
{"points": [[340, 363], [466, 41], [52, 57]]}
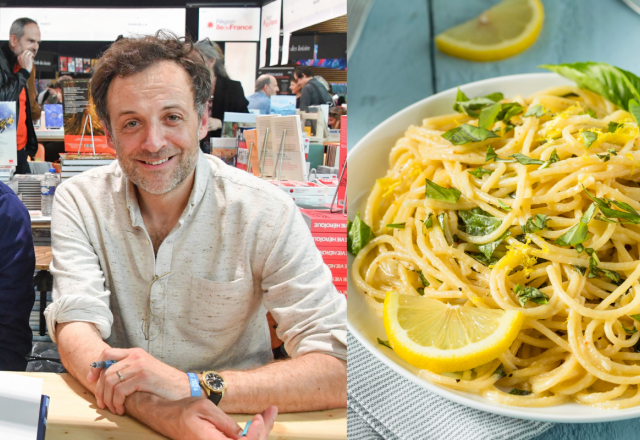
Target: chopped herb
{"points": [[588, 138], [488, 115], [631, 330], [634, 109], [524, 160], [443, 223], [385, 343], [423, 280], [536, 223], [579, 232], [636, 317], [455, 238], [628, 214], [472, 106], [358, 235], [508, 128], [552, 159], [478, 223], [530, 293], [592, 113], [500, 371], [613, 126], [479, 172], [570, 95], [518, 392], [420, 290], [490, 154], [606, 157], [509, 110], [579, 248], [581, 270], [596, 272], [537, 111], [482, 258], [504, 205], [522, 238], [396, 225], [468, 133], [436, 192]]}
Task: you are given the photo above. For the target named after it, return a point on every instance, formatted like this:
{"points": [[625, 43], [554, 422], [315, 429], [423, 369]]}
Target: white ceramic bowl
{"points": [[368, 161]]}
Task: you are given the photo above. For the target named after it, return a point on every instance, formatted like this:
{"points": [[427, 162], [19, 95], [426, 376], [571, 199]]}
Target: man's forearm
{"points": [[79, 344], [308, 383]]}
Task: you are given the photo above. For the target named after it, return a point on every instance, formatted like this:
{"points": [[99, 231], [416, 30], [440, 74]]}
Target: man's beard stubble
{"points": [[187, 160]]}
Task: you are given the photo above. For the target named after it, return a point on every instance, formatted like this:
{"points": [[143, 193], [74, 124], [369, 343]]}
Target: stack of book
{"points": [[29, 190], [74, 164], [6, 173], [329, 231], [308, 193]]}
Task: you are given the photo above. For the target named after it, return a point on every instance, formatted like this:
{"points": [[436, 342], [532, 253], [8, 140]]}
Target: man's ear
{"points": [[13, 41], [203, 129], [107, 134]]}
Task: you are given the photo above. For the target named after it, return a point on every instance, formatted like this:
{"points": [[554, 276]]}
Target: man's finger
{"points": [[219, 419], [108, 354], [269, 416], [123, 390], [257, 429], [100, 389], [111, 379]]}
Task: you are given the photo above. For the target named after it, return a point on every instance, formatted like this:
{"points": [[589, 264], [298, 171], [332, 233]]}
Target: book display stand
{"points": [[84, 127]]}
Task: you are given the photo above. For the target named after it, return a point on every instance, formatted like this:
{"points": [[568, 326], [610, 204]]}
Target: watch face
{"points": [[215, 381]]}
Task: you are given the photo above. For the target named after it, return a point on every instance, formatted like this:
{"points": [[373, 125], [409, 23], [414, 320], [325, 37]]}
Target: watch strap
{"points": [[215, 398]]}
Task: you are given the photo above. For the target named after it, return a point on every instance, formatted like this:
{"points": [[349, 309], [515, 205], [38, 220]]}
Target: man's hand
{"points": [[200, 419], [25, 60], [140, 372], [214, 124]]}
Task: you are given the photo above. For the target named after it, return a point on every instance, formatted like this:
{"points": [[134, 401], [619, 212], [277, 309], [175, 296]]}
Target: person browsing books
{"points": [[168, 260], [16, 68], [17, 265], [266, 86], [313, 92]]}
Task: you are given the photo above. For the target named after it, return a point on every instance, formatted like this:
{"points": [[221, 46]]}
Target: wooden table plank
{"points": [[573, 30], [43, 257], [74, 415]]}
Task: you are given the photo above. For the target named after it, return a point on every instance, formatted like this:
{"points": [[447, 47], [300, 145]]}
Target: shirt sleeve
{"points": [[17, 296], [300, 295], [79, 292]]}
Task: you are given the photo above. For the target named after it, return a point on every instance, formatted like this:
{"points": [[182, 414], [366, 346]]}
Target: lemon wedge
{"points": [[504, 30], [440, 337]]}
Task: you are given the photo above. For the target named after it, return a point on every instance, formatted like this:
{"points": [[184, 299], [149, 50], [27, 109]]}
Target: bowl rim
{"points": [[593, 415]]}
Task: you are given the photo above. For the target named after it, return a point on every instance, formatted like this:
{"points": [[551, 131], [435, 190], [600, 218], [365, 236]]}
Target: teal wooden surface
{"points": [[395, 65]]}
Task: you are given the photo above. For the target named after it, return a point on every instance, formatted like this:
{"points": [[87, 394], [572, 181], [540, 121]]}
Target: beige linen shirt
{"points": [[240, 248]]}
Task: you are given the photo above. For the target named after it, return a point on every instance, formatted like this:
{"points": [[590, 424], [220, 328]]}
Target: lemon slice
{"points": [[504, 30], [440, 337]]}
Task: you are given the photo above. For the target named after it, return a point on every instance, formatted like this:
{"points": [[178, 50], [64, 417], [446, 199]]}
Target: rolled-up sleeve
{"points": [[310, 313], [79, 292]]}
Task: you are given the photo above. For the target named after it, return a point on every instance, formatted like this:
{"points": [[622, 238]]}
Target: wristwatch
{"points": [[214, 385]]}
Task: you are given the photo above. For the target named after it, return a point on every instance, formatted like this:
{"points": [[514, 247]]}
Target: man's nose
{"points": [[154, 140]]}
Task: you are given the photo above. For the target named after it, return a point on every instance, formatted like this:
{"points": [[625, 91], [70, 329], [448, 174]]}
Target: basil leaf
{"points": [[588, 138], [592, 113], [479, 172], [524, 160], [588, 214], [478, 222], [596, 272], [518, 392], [488, 115], [629, 331], [385, 343], [624, 206], [500, 372], [429, 221], [490, 154], [495, 96], [436, 192], [504, 205], [420, 291], [604, 157], [612, 151], [536, 110], [581, 270], [358, 235], [483, 259], [530, 293], [473, 106], [468, 133], [509, 110], [631, 215], [536, 223], [443, 222], [488, 248], [508, 128], [576, 235], [634, 109], [423, 280], [579, 248], [615, 84], [590, 251], [552, 159], [613, 126], [396, 225], [455, 238], [571, 95], [636, 317], [460, 97]]}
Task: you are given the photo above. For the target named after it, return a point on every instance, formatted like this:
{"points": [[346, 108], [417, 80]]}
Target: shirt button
{"points": [[148, 242]]}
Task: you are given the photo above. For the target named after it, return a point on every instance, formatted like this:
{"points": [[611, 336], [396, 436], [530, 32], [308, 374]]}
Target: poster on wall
{"points": [[270, 28], [229, 24], [8, 142], [62, 64], [80, 115], [79, 65]]}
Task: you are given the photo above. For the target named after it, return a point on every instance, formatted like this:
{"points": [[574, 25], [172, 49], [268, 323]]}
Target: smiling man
{"points": [[168, 260]]}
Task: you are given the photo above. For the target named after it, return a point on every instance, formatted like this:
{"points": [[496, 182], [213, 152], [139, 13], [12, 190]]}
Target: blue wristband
{"points": [[246, 429], [195, 385]]}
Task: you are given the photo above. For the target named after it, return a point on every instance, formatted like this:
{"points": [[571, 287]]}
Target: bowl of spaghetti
{"points": [[554, 170]]}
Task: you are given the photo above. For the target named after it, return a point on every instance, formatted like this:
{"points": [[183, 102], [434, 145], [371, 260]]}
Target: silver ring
{"points": [[119, 376]]}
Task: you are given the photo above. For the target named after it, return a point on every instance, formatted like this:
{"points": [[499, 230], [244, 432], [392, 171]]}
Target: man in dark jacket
{"points": [[17, 264], [16, 64], [313, 92]]}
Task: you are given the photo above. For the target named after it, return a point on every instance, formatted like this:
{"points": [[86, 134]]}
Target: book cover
{"points": [[323, 221], [225, 149], [253, 149], [53, 116], [71, 64], [62, 64], [283, 105], [79, 65], [80, 116], [235, 123], [8, 141], [265, 152], [292, 165], [71, 159], [86, 65], [342, 188]]}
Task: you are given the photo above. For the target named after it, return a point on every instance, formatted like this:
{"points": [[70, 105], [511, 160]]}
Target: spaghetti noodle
{"points": [[558, 185]]}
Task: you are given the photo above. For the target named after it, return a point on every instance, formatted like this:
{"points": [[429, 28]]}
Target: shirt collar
{"points": [[202, 174]]}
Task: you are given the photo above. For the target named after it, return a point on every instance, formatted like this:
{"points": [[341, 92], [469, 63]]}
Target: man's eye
{"points": [[173, 118], [131, 124]]}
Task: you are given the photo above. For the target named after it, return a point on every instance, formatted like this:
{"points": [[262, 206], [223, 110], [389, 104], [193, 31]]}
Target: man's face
{"points": [[303, 80], [154, 126], [272, 87], [29, 41]]}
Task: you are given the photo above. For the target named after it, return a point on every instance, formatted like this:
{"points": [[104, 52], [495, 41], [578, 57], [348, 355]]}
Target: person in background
{"points": [[53, 93], [17, 265], [266, 86], [227, 95], [334, 116], [296, 89], [313, 91], [16, 67]]}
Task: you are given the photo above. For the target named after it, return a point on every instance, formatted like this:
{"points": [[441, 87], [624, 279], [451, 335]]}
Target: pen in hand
{"points": [[103, 364]]}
